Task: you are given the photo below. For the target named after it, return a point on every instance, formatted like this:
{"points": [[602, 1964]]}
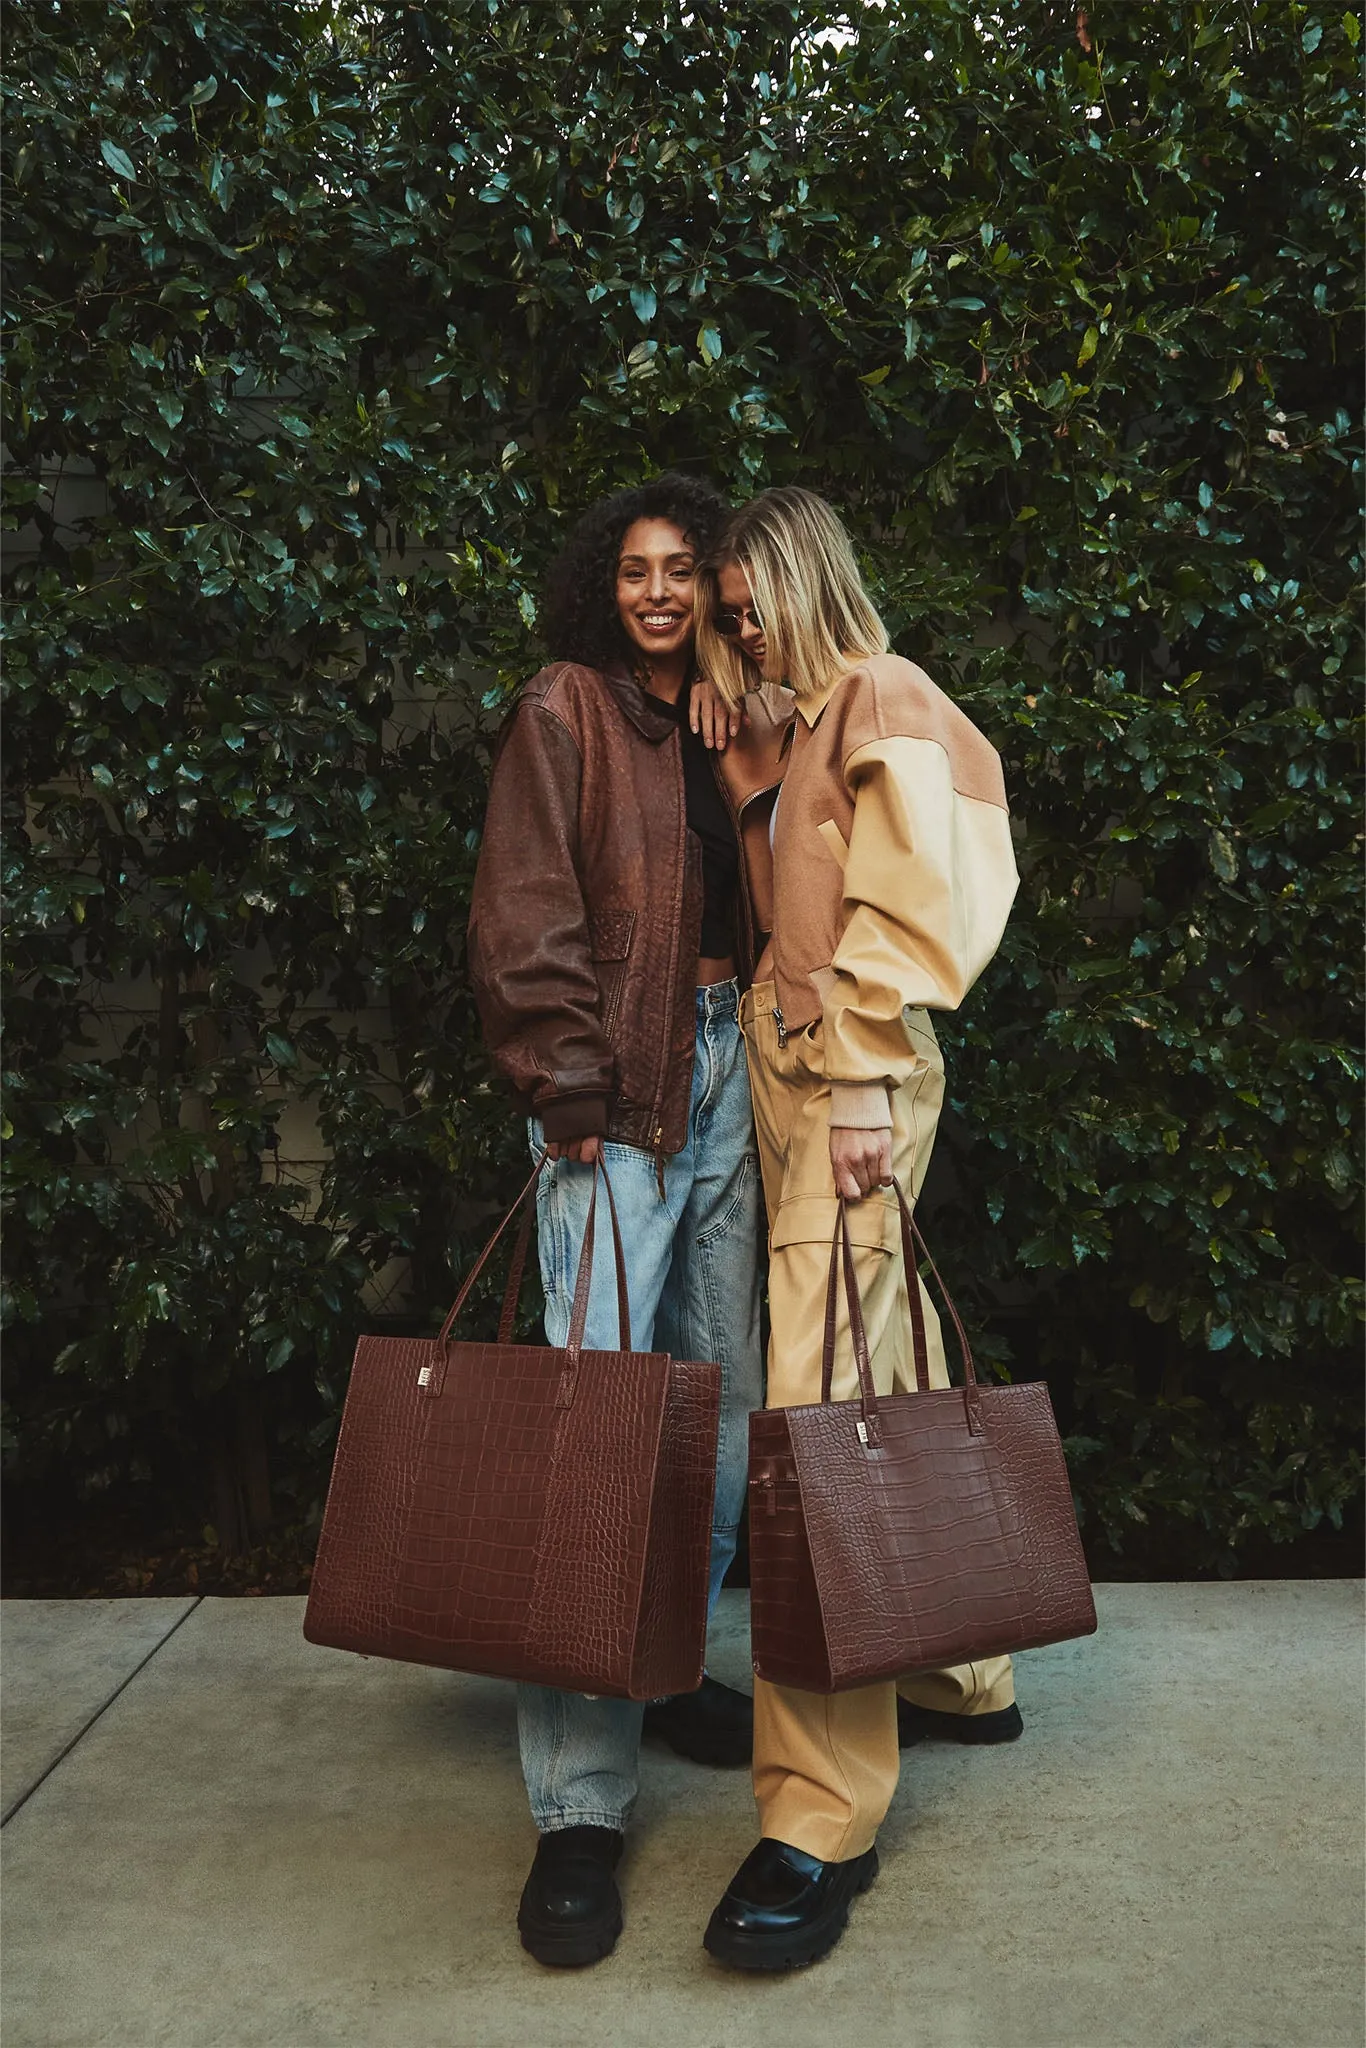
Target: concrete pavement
{"points": [[222, 1837]]}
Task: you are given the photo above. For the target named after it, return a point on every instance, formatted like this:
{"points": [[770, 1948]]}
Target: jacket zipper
{"points": [[745, 906], [737, 812], [682, 872]]}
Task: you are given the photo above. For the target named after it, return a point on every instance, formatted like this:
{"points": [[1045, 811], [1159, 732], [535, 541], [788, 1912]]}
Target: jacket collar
{"points": [[654, 721], [811, 707]]}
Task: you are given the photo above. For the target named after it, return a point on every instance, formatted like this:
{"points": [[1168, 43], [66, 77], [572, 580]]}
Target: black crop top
{"points": [[709, 816]]}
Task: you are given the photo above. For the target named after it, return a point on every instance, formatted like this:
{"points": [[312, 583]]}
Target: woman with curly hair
{"points": [[612, 932]]}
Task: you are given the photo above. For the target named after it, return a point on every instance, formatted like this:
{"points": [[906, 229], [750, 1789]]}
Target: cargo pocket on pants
{"points": [[798, 1276], [810, 1219]]}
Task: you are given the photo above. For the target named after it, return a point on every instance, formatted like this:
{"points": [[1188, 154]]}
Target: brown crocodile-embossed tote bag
{"points": [[906, 1532], [522, 1511]]}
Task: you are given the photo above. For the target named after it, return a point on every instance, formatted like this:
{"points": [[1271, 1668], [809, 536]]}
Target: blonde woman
{"points": [[893, 878]]}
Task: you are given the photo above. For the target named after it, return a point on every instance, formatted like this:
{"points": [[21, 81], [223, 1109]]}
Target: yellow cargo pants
{"points": [[826, 1765]]}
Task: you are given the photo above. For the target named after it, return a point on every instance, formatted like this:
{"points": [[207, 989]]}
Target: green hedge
{"points": [[348, 310]]}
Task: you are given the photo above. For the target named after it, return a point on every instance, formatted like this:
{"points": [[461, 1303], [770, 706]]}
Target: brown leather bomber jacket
{"points": [[587, 904]]}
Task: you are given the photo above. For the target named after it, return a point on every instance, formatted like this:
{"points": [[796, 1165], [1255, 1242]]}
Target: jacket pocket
{"points": [[835, 843], [609, 942]]}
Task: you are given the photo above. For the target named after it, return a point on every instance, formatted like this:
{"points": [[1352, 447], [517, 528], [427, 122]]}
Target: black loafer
{"points": [[784, 1908], [926, 1724], [714, 1725], [570, 1913]]}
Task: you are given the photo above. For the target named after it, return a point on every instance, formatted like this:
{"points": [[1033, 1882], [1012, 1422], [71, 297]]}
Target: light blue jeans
{"points": [[693, 1277]]}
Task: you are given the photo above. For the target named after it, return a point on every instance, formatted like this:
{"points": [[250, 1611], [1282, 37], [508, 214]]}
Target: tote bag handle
{"points": [[578, 1316], [842, 1258]]}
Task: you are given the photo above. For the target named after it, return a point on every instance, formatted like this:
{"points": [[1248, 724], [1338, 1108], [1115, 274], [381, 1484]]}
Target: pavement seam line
{"points": [[83, 1731]]}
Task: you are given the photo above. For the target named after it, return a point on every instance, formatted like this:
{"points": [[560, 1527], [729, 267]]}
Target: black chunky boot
{"points": [[714, 1725], [570, 1913]]}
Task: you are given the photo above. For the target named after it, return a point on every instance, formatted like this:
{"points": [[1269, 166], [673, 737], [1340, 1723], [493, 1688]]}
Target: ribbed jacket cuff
{"points": [[860, 1106], [574, 1116]]}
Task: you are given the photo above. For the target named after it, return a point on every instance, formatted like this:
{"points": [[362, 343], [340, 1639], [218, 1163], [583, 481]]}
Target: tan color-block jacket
{"points": [[894, 873]]}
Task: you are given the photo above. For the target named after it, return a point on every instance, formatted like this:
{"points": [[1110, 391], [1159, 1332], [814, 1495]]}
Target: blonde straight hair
{"points": [[819, 621]]}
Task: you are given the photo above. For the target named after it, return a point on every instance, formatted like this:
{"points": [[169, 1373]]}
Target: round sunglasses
{"points": [[731, 624]]}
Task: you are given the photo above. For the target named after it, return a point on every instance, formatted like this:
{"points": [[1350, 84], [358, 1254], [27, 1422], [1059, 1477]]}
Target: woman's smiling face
{"points": [[655, 572]]}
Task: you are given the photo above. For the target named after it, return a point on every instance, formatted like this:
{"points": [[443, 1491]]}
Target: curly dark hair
{"points": [[579, 619]]}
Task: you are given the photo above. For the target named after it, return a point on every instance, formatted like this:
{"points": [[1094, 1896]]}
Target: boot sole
{"points": [[571, 1949], [793, 1951]]}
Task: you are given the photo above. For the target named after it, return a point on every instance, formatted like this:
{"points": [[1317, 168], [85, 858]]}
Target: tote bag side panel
{"points": [[955, 1545], [354, 1585], [671, 1642], [787, 1627], [590, 1562], [1031, 1473]]}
